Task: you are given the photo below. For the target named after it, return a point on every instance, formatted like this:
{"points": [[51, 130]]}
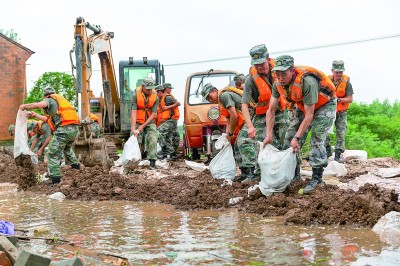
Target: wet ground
{"points": [[186, 189], [158, 234]]}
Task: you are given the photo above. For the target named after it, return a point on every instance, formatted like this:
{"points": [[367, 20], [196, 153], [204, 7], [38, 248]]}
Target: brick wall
{"points": [[13, 57]]}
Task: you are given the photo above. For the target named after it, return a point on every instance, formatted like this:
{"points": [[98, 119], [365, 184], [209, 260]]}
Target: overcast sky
{"points": [[186, 31]]}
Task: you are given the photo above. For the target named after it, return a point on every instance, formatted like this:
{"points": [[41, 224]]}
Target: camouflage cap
{"points": [[240, 77], [206, 90], [159, 88], [148, 83], [167, 85], [11, 128], [283, 62], [259, 54], [48, 90], [31, 125], [338, 65]]}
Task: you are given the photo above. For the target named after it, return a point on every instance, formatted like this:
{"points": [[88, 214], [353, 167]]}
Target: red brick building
{"points": [[13, 57]]}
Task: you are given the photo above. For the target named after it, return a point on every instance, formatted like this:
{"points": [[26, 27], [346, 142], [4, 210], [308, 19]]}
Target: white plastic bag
{"points": [[223, 165], [21, 137], [335, 169], [131, 155], [277, 168]]}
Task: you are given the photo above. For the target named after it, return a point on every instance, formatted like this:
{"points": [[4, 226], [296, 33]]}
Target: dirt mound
{"points": [[187, 189]]}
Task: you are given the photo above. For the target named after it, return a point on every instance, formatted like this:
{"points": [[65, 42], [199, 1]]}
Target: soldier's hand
{"points": [[140, 128], [39, 153], [267, 140], [251, 133], [295, 145], [229, 138], [135, 133]]}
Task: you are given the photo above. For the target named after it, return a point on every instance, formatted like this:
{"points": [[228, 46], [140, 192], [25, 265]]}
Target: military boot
{"points": [[55, 179], [316, 180], [328, 151], [337, 156], [297, 175], [76, 166], [173, 157], [152, 164], [162, 154]]}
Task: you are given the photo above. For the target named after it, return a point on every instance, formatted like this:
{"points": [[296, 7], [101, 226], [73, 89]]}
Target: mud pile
{"points": [[190, 190]]}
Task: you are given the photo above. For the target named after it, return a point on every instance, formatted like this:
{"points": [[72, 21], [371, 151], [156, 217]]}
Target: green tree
{"points": [[62, 83], [11, 34]]}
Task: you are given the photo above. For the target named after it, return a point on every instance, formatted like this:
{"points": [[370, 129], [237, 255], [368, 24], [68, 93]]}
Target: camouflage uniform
{"points": [[341, 116], [147, 139], [39, 144], [167, 136], [61, 143], [322, 121], [95, 128], [247, 149]]}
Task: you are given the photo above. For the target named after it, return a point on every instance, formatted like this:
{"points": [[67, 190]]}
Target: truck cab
{"points": [[203, 123]]}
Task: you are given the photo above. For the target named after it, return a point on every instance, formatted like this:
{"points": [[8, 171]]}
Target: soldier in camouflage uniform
{"points": [[313, 93], [41, 138], [167, 122], [94, 125], [64, 130], [144, 110], [11, 130], [255, 103], [344, 94], [239, 81]]}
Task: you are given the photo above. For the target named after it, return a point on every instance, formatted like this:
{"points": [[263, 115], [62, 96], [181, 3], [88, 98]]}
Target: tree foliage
{"points": [[62, 83], [373, 127], [11, 34]]}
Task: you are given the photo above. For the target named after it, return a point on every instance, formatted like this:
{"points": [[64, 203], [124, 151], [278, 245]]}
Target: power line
{"points": [[293, 50]]}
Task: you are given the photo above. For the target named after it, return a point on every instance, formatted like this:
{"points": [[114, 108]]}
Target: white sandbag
{"points": [[388, 227], [277, 168], [387, 172], [335, 168], [21, 137], [221, 141], [131, 155], [200, 167], [57, 196], [354, 154], [223, 165]]}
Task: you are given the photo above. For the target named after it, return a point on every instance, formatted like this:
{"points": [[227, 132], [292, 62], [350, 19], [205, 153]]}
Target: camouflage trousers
{"points": [[61, 144], [321, 123], [341, 128], [147, 140], [167, 139], [39, 144], [247, 149], [95, 128]]}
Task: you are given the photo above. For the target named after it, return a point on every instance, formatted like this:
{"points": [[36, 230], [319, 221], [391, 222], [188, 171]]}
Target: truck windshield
{"points": [[217, 80], [133, 76]]}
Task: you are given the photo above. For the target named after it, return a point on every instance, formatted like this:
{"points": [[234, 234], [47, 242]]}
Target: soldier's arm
{"points": [[46, 142], [41, 104], [233, 119], [34, 142]]}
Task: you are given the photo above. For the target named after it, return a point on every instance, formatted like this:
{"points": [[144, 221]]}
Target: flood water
{"points": [[148, 233]]}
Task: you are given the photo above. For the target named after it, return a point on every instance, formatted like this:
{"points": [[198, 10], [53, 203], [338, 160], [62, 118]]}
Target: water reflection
{"points": [[148, 233]]}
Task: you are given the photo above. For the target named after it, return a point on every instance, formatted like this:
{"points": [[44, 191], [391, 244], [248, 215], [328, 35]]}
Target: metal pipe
{"points": [[95, 28], [208, 144], [80, 105]]}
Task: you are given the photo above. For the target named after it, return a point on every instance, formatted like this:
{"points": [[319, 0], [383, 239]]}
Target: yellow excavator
{"points": [[114, 107]]}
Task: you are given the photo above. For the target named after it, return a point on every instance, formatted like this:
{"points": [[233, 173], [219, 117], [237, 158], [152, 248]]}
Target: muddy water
{"points": [[148, 233]]}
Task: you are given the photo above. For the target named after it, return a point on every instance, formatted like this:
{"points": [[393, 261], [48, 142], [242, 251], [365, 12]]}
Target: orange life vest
{"points": [[94, 117], [162, 115], [144, 105], [264, 88], [326, 87], [65, 110], [225, 112], [341, 92]]}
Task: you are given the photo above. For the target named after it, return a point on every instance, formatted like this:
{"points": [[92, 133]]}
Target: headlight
{"points": [[213, 113]]}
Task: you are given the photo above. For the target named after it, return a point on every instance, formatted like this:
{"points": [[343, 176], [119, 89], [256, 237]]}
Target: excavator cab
{"points": [[131, 74]]}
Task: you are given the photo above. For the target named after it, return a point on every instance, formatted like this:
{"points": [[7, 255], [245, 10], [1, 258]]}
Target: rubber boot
{"points": [[337, 156], [328, 151], [250, 176], [76, 166], [297, 175], [55, 179], [153, 164], [316, 180], [173, 157]]}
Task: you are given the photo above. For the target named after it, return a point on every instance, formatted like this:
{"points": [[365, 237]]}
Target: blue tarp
{"points": [[7, 228]]}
